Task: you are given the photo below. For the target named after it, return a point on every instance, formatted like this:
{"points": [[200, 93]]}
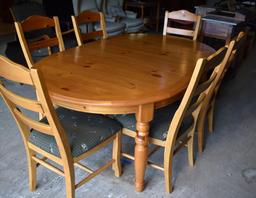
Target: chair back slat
{"points": [[86, 18], [183, 17], [239, 49], [240, 40], [43, 43], [92, 35], [35, 22], [32, 124], [195, 105], [200, 86], [18, 105], [26, 103], [14, 72], [211, 64], [234, 57], [215, 59], [44, 40], [178, 31], [205, 85]]}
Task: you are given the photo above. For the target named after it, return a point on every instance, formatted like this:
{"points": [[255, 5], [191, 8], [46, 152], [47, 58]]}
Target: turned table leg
{"points": [[143, 116]]}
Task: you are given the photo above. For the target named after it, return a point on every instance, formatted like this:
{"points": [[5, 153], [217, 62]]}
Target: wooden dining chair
{"points": [[89, 18], [183, 18], [240, 48], [63, 137], [35, 33], [172, 136], [209, 106]]}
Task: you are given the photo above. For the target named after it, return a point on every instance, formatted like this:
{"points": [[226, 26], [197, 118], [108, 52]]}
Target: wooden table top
{"points": [[126, 70]]}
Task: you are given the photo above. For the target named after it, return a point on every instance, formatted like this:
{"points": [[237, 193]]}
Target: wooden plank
{"points": [[95, 173], [49, 166]]}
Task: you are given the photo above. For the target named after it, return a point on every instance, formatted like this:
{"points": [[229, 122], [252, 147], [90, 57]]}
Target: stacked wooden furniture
{"points": [[234, 61]]}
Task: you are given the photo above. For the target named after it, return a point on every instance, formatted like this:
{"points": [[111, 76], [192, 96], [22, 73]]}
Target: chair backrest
{"points": [[18, 105], [89, 18], [36, 23], [23, 10], [185, 18], [198, 89], [239, 48], [235, 57]]}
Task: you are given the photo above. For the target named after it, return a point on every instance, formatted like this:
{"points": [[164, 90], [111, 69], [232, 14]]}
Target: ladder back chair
{"points": [[209, 105], [173, 126], [33, 24], [240, 51], [184, 18], [63, 136], [86, 18]]}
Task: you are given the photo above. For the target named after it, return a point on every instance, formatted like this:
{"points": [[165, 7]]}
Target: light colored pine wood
{"points": [[128, 156], [32, 165], [199, 86], [44, 153], [44, 128], [18, 74], [182, 16], [21, 101], [143, 117], [85, 18], [117, 154], [95, 173], [33, 23], [49, 166], [156, 166], [209, 105], [44, 105], [133, 52], [83, 167], [128, 83]]}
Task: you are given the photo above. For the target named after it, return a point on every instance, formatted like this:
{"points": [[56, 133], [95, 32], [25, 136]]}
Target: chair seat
{"points": [[160, 124], [84, 131]]}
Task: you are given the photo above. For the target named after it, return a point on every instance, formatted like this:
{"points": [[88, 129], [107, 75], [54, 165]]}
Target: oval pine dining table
{"points": [[131, 73]]}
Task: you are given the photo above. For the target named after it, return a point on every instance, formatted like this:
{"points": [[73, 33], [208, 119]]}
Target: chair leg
{"points": [[210, 116], [191, 151], [168, 170], [70, 182], [32, 172], [117, 154], [200, 130]]}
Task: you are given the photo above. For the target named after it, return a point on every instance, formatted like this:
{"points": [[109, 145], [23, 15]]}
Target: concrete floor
{"points": [[226, 169]]}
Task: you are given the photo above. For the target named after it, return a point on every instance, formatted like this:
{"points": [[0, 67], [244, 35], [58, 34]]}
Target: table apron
{"points": [[111, 109]]}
